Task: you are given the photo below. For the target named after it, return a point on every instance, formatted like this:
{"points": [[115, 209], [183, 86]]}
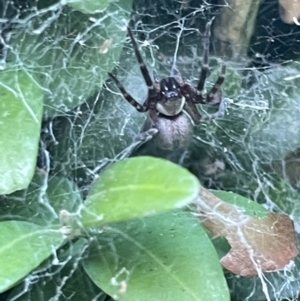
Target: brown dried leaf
{"points": [[264, 245]]}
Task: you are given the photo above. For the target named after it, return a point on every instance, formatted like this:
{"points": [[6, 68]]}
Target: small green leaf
{"points": [[137, 187], [251, 208], [162, 257], [23, 246], [21, 109]]}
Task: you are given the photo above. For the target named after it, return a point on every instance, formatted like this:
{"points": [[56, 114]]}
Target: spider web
{"points": [[253, 150]]}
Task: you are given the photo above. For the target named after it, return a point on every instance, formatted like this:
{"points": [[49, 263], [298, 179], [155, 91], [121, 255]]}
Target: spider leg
{"points": [[205, 66], [211, 95], [219, 114], [147, 135], [143, 67], [192, 110], [214, 93], [128, 97], [150, 123], [149, 129]]}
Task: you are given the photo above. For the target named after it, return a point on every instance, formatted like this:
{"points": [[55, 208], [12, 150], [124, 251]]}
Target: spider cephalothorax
{"points": [[170, 99]]}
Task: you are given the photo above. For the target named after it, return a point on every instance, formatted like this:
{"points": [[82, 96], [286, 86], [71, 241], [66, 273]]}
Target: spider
{"points": [[171, 103]]}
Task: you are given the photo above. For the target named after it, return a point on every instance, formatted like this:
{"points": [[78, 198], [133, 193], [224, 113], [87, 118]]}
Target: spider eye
{"points": [[169, 87]]}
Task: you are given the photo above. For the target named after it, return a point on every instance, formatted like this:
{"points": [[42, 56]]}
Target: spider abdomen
{"points": [[173, 132]]}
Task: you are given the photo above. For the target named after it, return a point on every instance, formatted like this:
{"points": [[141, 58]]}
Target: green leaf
{"points": [[23, 246], [89, 6], [250, 207], [64, 281], [137, 187], [163, 257], [21, 109], [70, 57], [42, 201], [279, 134]]}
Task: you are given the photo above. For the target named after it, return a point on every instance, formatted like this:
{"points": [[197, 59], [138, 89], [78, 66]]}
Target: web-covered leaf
{"points": [[21, 109], [167, 256], [23, 246], [68, 52], [42, 201], [63, 280], [89, 6]]}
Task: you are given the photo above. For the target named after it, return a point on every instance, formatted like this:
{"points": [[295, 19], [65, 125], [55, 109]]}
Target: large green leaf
{"points": [[137, 187], [23, 246], [20, 121], [163, 257]]}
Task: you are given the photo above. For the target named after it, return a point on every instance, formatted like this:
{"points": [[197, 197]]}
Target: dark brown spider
{"points": [[170, 98]]}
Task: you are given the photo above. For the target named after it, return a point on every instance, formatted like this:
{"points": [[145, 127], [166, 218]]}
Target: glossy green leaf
{"points": [[23, 246], [250, 207], [137, 187], [21, 109], [163, 257]]}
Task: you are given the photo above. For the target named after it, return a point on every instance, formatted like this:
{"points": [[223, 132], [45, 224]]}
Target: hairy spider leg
{"points": [[193, 112], [204, 70], [191, 109], [128, 97], [204, 66], [143, 67], [216, 87], [220, 113]]}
